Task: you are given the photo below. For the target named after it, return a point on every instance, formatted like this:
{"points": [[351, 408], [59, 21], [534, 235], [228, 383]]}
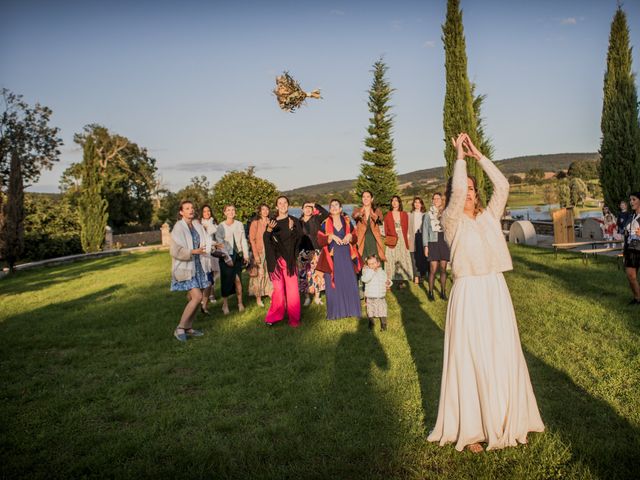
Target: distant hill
{"points": [[549, 163]]}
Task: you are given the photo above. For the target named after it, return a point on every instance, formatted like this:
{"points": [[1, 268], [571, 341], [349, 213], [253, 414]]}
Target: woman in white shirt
{"points": [[210, 227], [231, 234], [416, 248], [486, 394], [189, 245]]}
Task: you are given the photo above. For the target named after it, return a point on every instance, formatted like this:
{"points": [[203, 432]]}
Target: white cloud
{"points": [[339, 13], [397, 24], [429, 44], [569, 21]]}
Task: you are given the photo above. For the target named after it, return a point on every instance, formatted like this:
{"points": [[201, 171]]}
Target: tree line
{"points": [[117, 184]]}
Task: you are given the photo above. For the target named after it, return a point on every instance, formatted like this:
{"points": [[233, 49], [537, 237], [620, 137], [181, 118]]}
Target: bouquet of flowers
{"points": [[289, 93]]}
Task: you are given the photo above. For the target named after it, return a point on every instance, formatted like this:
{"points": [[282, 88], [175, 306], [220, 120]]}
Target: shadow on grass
{"points": [[597, 436], [43, 277], [586, 281], [425, 340]]}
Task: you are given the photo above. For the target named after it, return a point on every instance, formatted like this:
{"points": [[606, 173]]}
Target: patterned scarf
{"points": [[434, 216], [353, 250]]}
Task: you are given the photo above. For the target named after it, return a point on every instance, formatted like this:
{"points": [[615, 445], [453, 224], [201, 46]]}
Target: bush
{"points": [[40, 246]]}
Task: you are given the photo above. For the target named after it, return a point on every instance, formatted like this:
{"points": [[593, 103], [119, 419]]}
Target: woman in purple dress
{"points": [[340, 262]]}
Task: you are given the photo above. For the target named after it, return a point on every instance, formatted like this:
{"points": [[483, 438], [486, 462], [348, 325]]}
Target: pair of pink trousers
{"points": [[285, 296]]}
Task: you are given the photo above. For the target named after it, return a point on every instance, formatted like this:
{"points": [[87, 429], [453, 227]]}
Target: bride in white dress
{"points": [[485, 394]]}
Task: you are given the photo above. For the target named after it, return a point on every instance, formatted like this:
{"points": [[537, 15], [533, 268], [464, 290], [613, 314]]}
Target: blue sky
{"points": [[192, 80]]}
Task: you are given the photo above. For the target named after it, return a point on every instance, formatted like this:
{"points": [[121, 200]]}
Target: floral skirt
{"points": [[261, 285], [309, 280]]}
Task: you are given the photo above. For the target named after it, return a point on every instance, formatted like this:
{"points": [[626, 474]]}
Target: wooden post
{"points": [[563, 226]]}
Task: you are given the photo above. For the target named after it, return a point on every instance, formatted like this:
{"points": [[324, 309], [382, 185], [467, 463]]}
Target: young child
{"points": [[375, 289]]}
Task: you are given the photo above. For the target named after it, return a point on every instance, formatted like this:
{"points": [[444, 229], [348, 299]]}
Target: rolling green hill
{"points": [[548, 163]]}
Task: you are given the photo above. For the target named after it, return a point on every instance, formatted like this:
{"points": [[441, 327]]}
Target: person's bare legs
{"points": [[186, 321], [225, 305], [239, 293], [205, 298], [632, 277]]}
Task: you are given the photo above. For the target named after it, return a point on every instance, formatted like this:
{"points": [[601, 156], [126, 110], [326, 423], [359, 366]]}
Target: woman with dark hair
{"points": [[396, 229], [419, 262], [259, 281], [486, 394], [623, 218], [341, 262], [212, 263], [281, 244], [188, 247], [230, 233], [368, 219], [631, 251], [313, 214], [435, 246]]}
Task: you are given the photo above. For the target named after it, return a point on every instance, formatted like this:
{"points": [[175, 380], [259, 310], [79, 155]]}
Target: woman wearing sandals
{"points": [[231, 234], [435, 246], [259, 283], [485, 394], [188, 274]]}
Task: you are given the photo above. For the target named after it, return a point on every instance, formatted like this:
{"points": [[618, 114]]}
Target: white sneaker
{"points": [[212, 299], [307, 301]]}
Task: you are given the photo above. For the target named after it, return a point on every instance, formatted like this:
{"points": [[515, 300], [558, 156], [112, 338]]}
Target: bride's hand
{"points": [[459, 145], [471, 148]]}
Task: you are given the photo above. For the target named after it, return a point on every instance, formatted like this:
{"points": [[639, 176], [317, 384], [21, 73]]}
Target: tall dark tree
{"points": [[459, 115], [26, 138], [620, 147], [13, 224], [128, 177], [485, 143], [92, 207], [377, 172]]}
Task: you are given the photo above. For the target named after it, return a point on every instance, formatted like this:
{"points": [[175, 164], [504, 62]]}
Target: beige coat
{"points": [[478, 246]]}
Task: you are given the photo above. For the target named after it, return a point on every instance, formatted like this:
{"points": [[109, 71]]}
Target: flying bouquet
{"points": [[289, 94]]}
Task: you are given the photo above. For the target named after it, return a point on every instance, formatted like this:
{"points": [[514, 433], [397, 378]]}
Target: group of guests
{"points": [[322, 250], [625, 228], [486, 394]]}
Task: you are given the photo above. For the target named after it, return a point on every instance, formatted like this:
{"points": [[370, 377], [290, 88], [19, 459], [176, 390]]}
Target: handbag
{"points": [[633, 244], [390, 241], [253, 269]]}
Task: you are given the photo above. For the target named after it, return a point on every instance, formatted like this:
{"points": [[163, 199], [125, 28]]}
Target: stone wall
{"points": [[136, 239]]}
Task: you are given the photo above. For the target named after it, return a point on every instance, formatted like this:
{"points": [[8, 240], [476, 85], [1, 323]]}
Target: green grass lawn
{"points": [[94, 384]]}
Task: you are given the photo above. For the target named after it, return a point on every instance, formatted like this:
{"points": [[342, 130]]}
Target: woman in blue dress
{"points": [[189, 243], [340, 262]]}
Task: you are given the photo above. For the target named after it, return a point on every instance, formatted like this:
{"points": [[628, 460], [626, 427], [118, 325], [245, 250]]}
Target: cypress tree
{"points": [[377, 172], [92, 208], [459, 115], [13, 222], [485, 144], [620, 147]]}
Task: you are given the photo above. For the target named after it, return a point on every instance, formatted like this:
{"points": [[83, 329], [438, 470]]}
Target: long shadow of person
{"points": [[426, 341], [356, 400]]}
